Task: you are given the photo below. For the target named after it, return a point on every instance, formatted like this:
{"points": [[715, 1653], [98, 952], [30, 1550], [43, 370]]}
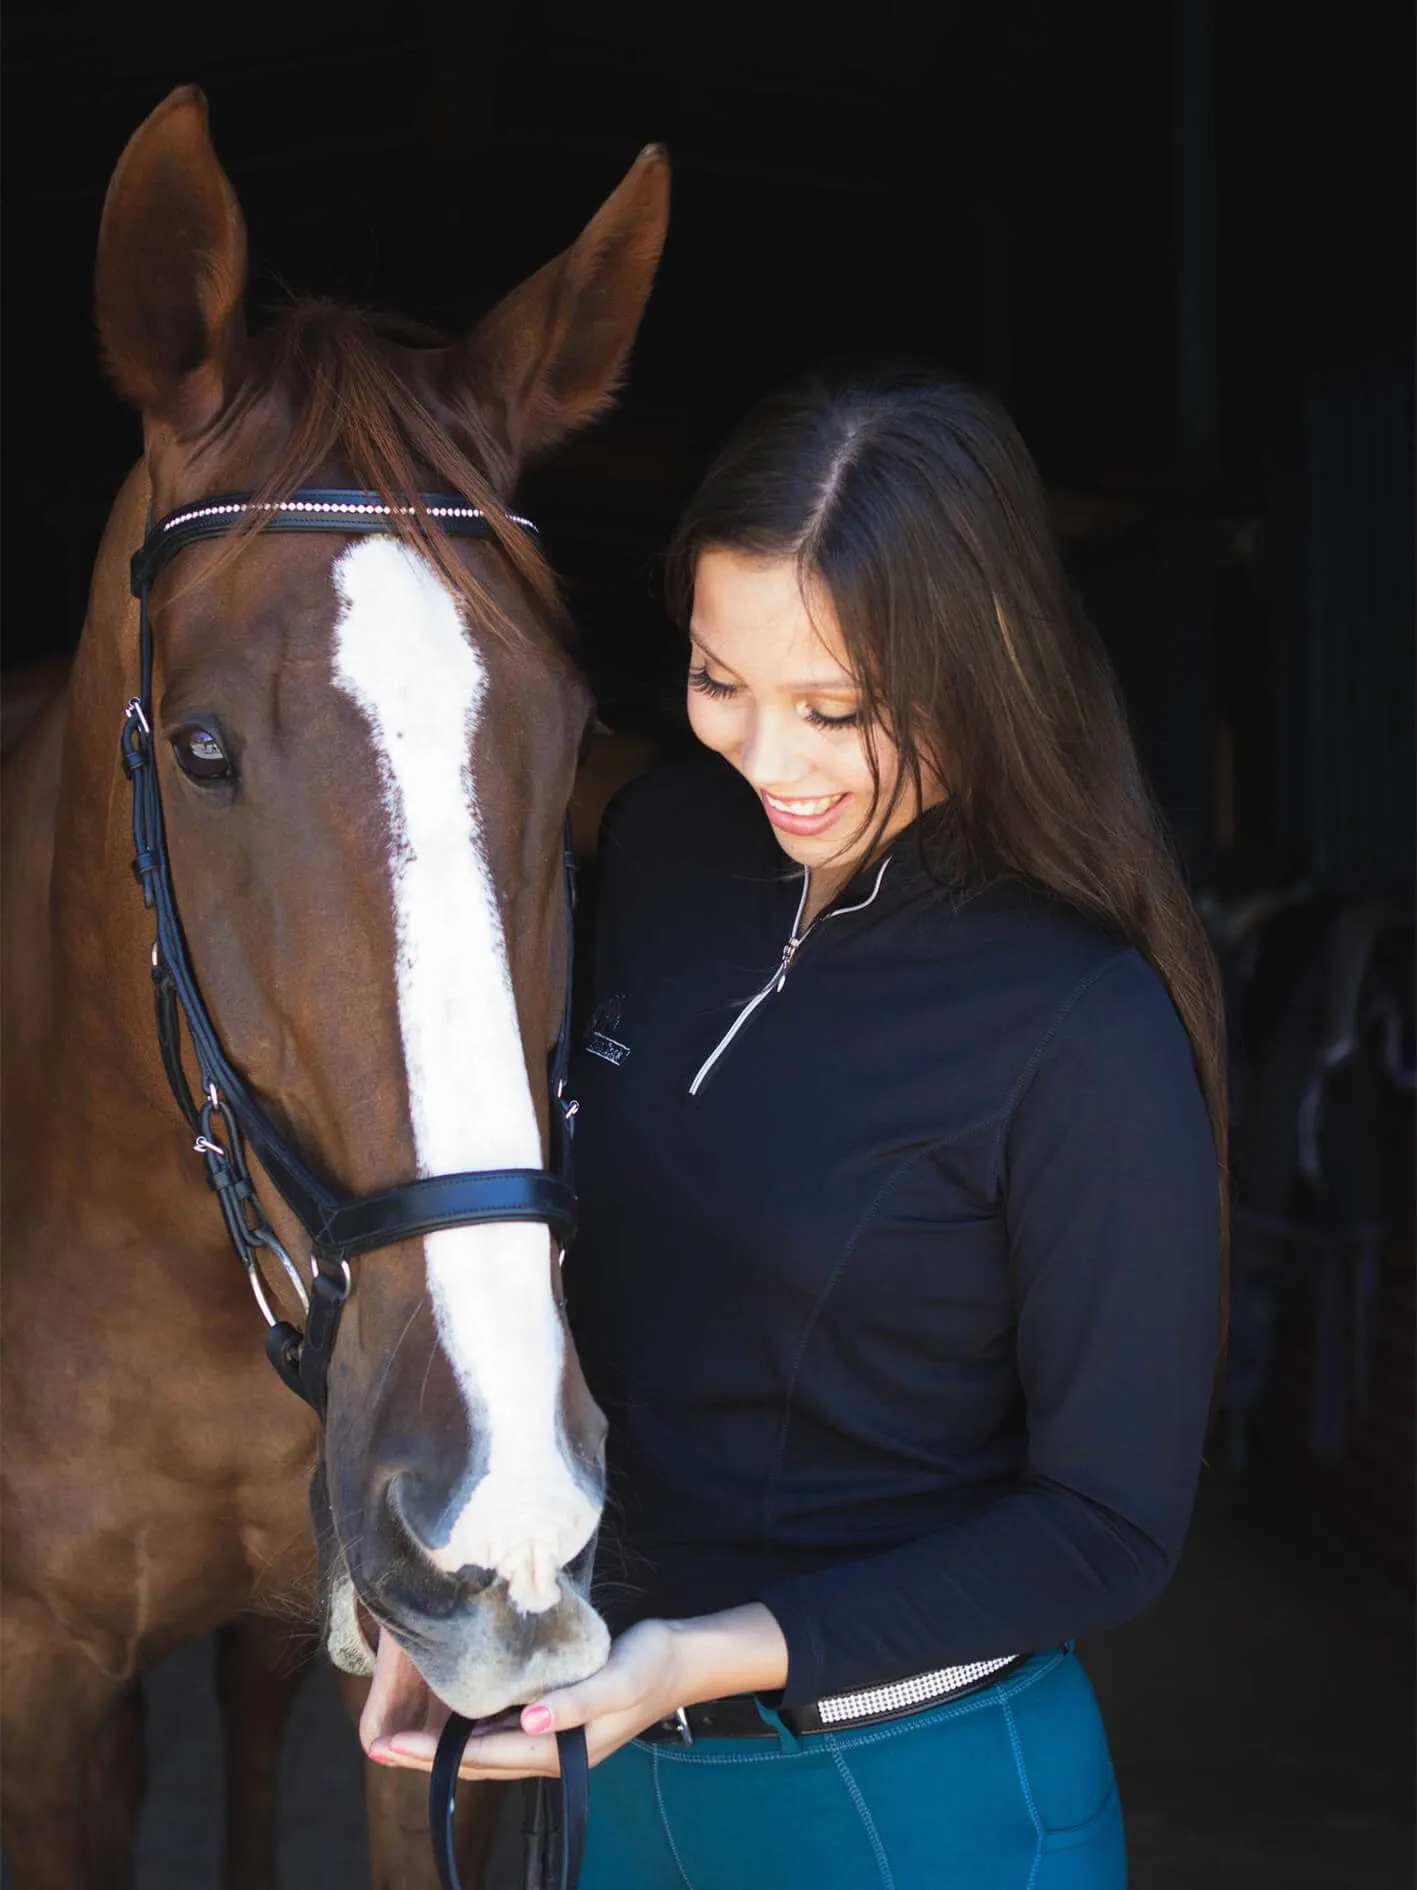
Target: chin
{"points": [[495, 1666]]}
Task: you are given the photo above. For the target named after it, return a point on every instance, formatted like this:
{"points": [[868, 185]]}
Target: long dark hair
{"points": [[912, 500]]}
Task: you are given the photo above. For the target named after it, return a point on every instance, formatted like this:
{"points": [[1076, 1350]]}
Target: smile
{"points": [[804, 809], [805, 816]]}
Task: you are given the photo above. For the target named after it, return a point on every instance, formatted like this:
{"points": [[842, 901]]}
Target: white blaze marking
{"points": [[402, 653]]}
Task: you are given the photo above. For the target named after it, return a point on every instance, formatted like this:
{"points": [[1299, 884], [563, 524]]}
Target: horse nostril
{"points": [[473, 1580], [417, 1520], [416, 1512]]}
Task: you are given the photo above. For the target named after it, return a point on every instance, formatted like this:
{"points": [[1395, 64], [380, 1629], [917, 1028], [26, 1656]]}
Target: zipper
{"points": [[795, 942]]}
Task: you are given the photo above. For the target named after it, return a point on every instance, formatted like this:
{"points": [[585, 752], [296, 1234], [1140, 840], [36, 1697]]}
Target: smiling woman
{"points": [[773, 694], [900, 1260]]}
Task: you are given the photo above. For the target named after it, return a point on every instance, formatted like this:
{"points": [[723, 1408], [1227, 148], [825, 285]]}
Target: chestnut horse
{"points": [[365, 749]]}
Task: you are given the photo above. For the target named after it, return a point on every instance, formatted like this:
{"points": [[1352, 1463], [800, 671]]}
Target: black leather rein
{"points": [[227, 1117]]}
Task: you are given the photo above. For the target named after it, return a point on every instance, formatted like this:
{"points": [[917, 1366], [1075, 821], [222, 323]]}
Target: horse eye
{"points": [[200, 754]]}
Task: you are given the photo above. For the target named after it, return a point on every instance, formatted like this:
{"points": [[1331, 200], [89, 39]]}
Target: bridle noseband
{"points": [[228, 1117]]}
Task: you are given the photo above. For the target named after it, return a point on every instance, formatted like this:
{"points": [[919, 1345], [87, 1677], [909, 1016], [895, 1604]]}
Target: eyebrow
{"points": [[841, 685]]}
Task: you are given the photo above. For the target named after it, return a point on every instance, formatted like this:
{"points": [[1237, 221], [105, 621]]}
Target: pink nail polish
{"points": [[537, 1719]]}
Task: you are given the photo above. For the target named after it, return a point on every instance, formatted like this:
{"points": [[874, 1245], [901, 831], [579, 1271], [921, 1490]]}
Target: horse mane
{"points": [[333, 369]]}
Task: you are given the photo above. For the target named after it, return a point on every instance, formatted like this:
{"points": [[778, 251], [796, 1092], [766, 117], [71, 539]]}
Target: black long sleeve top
{"points": [[898, 1267]]}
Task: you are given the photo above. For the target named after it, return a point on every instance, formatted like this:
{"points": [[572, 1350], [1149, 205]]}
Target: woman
{"points": [[900, 1272]]}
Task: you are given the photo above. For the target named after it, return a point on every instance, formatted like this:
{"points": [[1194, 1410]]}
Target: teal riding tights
{"points": [[1010, 1788]]}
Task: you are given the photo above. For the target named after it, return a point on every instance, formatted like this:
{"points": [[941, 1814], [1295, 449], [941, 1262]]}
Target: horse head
{"points": [[365, 748]]}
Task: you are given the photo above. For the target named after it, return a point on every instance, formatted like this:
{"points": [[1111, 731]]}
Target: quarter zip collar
{"points": [[795, 941], [873, 875], [924, 856]]}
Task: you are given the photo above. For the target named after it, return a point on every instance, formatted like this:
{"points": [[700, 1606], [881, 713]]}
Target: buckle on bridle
{"points": [[340, 1283]]}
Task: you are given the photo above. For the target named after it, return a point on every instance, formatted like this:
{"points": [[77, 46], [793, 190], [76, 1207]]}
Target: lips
{"points": [[400, 1700], [802, 814]]}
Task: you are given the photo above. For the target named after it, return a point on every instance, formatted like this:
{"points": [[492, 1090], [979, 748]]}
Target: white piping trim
{"points": [[734, 1028], [779, 977], [870, 898]]}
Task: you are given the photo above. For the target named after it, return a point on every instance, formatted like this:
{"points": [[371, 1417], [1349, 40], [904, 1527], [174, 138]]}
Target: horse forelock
{"points": [[362, 398]]}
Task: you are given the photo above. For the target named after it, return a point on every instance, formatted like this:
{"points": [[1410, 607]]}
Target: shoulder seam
{"points": [[1030, 1068]]}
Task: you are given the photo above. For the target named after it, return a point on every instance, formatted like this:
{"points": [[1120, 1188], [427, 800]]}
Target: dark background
{"points": [[1176, 238]]}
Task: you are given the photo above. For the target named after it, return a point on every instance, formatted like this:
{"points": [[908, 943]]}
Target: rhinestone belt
{"points": [[738, 1717]]}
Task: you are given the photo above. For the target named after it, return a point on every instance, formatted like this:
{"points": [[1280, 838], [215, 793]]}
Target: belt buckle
{"points": [[682, 1726]]}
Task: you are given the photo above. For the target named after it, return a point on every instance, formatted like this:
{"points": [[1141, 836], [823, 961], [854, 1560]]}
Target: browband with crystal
{"points": [[309, 510]]}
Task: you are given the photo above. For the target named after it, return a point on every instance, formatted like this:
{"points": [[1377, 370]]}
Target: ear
{"points": [[171, 270], [550, 357]]}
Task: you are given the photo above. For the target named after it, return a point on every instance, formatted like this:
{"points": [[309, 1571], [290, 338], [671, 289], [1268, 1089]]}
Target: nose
{"points": [[395, 1558], [769, 755], [412, 1517], [413, 1582], [475, 1647], [513, 1524]]}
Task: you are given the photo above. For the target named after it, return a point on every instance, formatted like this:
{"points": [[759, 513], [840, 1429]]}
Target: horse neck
{"points": [[101, 934]]}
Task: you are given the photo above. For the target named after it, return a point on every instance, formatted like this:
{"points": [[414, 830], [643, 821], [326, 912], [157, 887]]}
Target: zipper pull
{"points": [[794, 940], [789, 952]]}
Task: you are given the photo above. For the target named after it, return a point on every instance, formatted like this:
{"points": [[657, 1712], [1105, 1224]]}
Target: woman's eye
{"points": [[200, 754], [852, 718], [706, 685]]}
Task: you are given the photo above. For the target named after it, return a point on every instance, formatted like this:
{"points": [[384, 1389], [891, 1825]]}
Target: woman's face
{"points": [[770, 691]]}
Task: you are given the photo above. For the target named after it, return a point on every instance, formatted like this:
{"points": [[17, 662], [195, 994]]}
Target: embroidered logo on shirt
{"points": [[598, 1039]]}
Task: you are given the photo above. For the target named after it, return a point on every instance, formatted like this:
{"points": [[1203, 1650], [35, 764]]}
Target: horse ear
{"points": [[550, 356], [171, 269]]}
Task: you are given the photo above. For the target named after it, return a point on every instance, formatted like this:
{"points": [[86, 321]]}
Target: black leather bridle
{"points": [[228, 1117]]}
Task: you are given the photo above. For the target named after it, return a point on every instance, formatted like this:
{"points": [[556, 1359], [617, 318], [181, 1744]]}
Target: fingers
{"points": [[612, 1690], [627, 1694], [495, 1755]]}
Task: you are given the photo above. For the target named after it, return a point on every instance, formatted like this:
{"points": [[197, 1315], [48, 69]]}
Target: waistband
{"points": [[737, 1716]]}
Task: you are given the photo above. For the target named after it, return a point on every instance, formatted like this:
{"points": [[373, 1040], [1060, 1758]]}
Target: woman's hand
{"points": [[653, 1669]]}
